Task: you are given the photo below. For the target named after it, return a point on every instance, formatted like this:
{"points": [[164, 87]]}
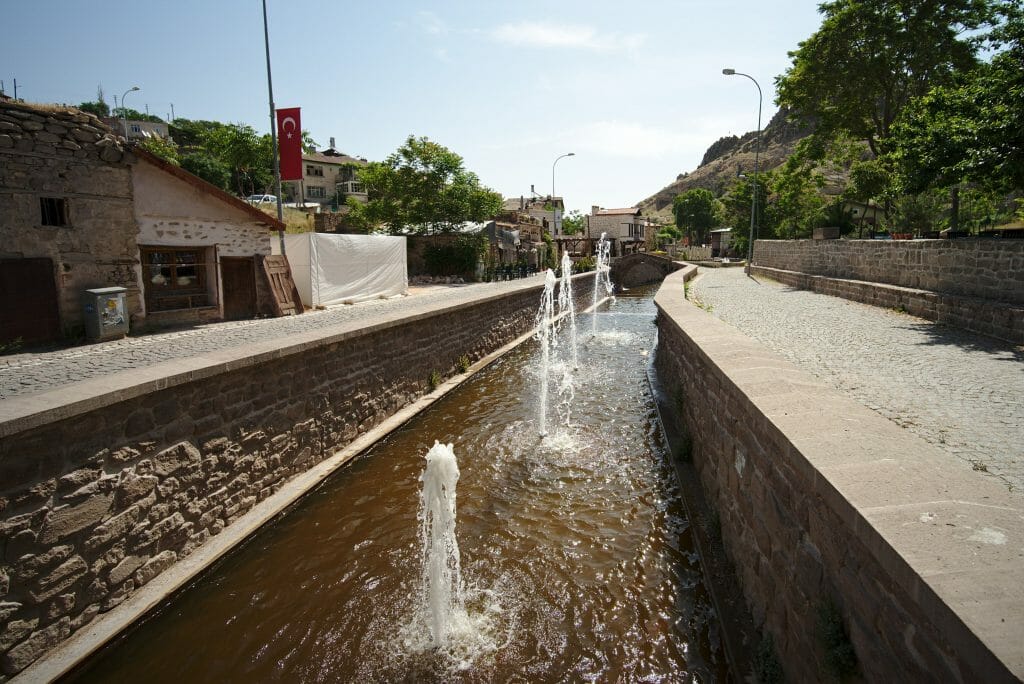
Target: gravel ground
{"points": [[30, 373], [960, 391]]}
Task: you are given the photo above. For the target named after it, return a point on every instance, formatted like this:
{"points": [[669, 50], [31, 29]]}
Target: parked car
{"points": [[261, 199]]}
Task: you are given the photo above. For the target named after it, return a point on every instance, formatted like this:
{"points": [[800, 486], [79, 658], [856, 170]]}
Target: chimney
{"points": [[522, 203], [594, 209], [332, 143]]}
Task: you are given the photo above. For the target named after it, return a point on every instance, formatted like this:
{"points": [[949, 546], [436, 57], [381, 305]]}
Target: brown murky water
{"points": [[576, 552]]}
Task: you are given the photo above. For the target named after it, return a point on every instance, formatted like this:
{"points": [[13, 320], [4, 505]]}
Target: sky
{"points": [[634, 89]]}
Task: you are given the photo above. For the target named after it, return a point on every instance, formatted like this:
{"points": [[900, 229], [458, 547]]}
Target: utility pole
{"points": [[273, 129]]}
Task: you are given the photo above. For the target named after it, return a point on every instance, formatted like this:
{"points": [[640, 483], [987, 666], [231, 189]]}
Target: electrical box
{"points": [[106, 317]]}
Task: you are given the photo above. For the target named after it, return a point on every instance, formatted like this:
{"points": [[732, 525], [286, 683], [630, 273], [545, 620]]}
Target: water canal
{"points": [[576, 553]]}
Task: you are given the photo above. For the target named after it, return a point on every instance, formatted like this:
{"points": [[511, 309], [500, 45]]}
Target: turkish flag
{"points": [[289, 142]]}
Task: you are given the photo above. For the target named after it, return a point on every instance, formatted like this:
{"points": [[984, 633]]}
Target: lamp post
{"points": [[757, 152], [124, 110], [553, 217]]}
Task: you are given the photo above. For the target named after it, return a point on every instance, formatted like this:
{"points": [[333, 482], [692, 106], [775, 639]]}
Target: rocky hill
{"points": [[728, 157]]}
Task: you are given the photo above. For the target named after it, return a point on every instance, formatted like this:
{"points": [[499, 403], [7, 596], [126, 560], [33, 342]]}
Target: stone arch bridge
{"points": [[641, 268]]}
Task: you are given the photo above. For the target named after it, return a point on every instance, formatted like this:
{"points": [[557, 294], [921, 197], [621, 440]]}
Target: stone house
{"points": [[66, 218], [79, 209], [629, 229], [547, 210], [199, 248]]}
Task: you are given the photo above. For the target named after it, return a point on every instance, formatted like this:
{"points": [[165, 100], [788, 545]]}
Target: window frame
{"points": [[169, 293], [53, 212]]}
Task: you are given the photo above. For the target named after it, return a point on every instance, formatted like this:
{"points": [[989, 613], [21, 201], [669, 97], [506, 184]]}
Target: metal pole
{"points": [[757, 152], [554, 221], [273, 128], [124, 110]]}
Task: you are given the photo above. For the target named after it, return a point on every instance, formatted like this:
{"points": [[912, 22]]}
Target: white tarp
{"points": [[333, 269]]}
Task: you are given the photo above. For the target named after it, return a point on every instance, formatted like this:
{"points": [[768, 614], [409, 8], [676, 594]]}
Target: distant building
{"points": [[327, 177], [138, 130], [628, 227], [547, 210]]}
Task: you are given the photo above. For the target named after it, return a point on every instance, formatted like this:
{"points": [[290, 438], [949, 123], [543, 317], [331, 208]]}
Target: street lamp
{"points": [[757, 151], [124, 110], [553, 217]]}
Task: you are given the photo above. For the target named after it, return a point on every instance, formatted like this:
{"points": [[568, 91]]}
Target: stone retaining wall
{"points": [[996, 319], [100, 496], [991, 269], [822, 502]]}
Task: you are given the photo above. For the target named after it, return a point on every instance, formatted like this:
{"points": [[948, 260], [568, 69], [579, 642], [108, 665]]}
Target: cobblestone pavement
{"points": [[29, 373], [962, 392]]}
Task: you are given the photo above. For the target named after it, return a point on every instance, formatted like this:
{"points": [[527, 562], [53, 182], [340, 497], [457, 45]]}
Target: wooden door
{"points": [[238, 276], [28, 301], [279, 278]]}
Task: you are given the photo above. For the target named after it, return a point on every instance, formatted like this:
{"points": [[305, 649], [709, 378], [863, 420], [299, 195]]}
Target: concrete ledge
{"points": [[822, 498], [996, 319], [19, 414]]}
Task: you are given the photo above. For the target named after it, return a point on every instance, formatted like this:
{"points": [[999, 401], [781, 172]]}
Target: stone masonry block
{"points": [[28, 567], [67, 520], [155, 566], [178, 456], [60, 579]]}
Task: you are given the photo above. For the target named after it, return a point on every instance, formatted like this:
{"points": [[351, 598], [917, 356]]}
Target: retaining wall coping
{"points": [[950, 538], [18, 413]]}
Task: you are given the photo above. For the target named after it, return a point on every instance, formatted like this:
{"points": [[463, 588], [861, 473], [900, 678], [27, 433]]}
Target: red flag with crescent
{"points": [[289, 143]]}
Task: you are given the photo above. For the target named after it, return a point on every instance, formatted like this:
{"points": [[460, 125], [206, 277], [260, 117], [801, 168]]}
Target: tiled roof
{"points": [[339, 158]]}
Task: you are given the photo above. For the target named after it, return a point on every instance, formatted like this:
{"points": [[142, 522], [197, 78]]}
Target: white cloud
{"points": [[431, 23], [538, 34]]}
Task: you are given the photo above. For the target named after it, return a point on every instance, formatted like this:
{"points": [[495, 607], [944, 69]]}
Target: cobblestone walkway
{"points": [[962, 392], [24, 374]]}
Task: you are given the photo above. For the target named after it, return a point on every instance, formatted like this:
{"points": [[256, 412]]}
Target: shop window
{"points": [[174, 278]]}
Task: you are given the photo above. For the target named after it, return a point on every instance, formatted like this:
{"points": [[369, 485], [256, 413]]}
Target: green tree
{"points": [[247, 155], [797, 205], [209, 168], [99, 107], [574, 222], [696, 211], [973, 129], [422, 188], [736, 210], [166, 149], [869, 58]]}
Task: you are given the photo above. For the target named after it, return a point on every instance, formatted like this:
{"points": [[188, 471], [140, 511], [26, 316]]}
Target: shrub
{"points": [[458, 257]]}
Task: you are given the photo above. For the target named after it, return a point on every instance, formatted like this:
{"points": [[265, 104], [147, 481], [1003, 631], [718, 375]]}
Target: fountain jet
{"points": [[602, 275], [443, 600]]}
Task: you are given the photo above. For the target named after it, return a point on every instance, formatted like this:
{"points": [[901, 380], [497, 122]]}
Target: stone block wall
{"points": [[991, 269], [759, 432], [96, 503], [993, 318], [68, 155]]}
